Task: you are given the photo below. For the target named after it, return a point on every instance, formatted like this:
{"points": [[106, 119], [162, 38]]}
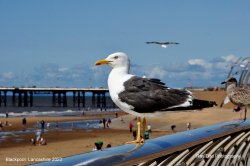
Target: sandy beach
{"points": [[75, 141]]}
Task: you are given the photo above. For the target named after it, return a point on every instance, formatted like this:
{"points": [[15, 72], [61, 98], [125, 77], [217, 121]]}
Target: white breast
{"points": [[115, 84]]}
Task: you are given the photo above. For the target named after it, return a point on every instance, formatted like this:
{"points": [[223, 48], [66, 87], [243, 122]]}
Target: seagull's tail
{"points": [[196, 105], [199, 104]]}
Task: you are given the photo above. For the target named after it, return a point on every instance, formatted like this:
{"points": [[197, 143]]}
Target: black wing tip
{"points": [[156, 80], [167, 43]]}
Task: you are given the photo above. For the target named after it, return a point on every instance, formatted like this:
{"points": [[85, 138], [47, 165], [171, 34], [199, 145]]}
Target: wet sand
{"points": [[71, 142], [62, 144]]}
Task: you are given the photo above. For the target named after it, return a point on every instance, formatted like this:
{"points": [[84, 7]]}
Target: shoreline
{"points": [[16, 122]]}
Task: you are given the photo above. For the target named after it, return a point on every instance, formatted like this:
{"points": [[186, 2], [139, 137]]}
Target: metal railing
{"points": [[241, 69], [220, 144]]}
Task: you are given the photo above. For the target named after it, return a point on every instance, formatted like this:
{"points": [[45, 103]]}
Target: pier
{"points": [[25, 97]]}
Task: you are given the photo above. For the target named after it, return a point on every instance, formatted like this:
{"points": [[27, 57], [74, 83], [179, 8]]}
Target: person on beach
{"points": [[38, 136], [33, 141], [173, 128], [134, 134], [42, 124], [48, 125], [42, 141], [108, 122], [131, 126], [149, 128], [24, 123], [108, 146], [6, 114], [7, 123], [104, 123], [38, 124], [98, 145], [1, 126], [188, 126]]}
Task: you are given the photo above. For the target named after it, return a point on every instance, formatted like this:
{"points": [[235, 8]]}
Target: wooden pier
{"points": [[24, 97]]}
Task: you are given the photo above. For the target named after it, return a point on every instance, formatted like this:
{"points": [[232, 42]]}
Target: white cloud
{"points": [[199, 62], [230, 58], [8, 75], [63, 69], [198, 71], [157, 72]]}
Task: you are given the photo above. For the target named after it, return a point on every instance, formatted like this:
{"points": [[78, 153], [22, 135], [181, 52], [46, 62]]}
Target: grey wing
{"points": [[150, 95]]}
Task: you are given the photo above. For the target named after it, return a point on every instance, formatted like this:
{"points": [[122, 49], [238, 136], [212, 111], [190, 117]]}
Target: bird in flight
{"points": [[144, 96], [162, 44]]}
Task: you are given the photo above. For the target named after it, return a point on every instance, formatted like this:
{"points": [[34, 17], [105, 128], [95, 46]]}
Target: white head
{"points": [[115, 60]]}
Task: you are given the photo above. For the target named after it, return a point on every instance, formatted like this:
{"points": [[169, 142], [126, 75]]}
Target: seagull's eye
{"points": [[115, 57]]}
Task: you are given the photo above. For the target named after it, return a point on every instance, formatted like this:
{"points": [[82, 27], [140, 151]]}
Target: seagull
{"points": [[162, 44], [239, 96], [143, 97]]}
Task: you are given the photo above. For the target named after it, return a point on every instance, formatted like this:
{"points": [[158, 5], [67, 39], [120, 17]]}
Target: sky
{"points": [[55, 43]]}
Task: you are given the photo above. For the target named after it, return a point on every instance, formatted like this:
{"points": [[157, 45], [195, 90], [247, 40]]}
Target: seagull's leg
{"points": [[144, 124], [138, 140], [245, 114], [138, 129], [241, 111], [241, 114]]}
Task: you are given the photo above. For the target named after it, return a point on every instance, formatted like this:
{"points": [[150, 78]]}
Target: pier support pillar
{"points": [[53, 99], [74, 99], [64, 99], [59, 98], [19, 99], [103, 101], [98, 105], [13, 98], [25, 101], [0, 98], [31, 99], [83, 99], [78, 99], [5, 98], [93, 99]]}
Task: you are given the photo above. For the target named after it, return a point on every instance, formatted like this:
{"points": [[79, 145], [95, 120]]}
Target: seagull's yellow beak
{"points": [[101, 62]]}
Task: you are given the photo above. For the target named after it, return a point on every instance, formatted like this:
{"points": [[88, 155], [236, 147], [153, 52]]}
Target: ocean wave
{"points": [[67, 112]]}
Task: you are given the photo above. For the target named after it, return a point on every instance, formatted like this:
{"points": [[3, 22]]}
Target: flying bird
{"points": [[239, 96], [144, 96], [162, 44]]}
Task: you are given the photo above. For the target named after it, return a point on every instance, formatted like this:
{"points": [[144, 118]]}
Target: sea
{"points": [[43, 106]]}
